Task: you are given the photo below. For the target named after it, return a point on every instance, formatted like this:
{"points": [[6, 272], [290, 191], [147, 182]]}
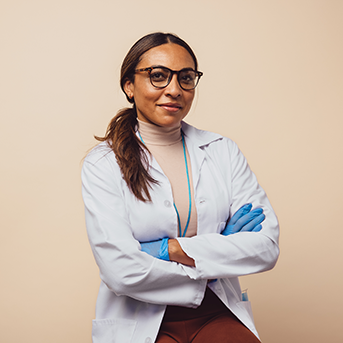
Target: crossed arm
{"points": [[244, 220]]}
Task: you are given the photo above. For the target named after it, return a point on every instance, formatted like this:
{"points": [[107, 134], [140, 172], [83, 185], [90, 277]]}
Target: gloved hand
{"points": [[245, 220], [158, 249]]}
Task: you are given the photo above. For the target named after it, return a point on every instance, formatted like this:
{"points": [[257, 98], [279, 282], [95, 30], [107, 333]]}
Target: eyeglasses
{"points": [[160, 77]]}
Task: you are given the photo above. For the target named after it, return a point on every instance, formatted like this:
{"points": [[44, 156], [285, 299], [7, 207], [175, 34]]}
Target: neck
{"points": [[158, 135]]}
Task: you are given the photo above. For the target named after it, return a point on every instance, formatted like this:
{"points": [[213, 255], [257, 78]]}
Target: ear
{"points": [[129, 89]]}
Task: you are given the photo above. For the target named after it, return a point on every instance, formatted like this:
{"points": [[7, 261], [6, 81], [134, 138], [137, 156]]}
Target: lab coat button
{"points": [[148, 340], [167, 203]]}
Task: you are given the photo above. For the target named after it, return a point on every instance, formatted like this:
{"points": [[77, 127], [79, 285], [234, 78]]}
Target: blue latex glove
{"points": [[245, 220], [158, 249]]}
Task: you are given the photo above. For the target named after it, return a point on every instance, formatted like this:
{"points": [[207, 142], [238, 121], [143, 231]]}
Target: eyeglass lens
{"points": [[160, 77]]}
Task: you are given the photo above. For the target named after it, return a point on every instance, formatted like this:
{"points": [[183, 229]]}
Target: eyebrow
{"points": [[162, 66]]}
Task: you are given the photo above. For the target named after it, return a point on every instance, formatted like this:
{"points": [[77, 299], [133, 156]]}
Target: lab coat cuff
{"points": [[193, 272]]}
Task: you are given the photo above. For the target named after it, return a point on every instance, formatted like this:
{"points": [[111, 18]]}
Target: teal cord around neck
{"points": [[189, 190]]}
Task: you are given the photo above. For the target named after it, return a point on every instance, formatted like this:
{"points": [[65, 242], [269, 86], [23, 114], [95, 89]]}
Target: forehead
{"points": [[169, 55]]}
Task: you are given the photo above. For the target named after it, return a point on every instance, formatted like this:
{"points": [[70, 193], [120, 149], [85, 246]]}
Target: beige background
{"points": [[273, 81]]}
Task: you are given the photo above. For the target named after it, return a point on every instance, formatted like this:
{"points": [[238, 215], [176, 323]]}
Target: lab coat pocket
{"points": [[113, 330], [246, 306]]}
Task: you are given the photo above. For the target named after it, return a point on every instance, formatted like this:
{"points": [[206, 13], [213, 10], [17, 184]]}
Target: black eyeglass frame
{"points": [[172, 72]]}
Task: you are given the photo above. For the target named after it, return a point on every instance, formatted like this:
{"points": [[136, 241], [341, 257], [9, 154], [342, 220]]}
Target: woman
{"points": [[158, 194]]}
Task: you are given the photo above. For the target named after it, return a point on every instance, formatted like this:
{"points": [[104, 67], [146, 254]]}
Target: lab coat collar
{"points": [[199, 137], [196, 140]]}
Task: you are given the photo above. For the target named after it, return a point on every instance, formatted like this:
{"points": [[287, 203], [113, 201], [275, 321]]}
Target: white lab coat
{"points": [[136, 287]]}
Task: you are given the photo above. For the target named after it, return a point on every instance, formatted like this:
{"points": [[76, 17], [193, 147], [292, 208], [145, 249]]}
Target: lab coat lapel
{"points": [[196, 140], [153, 164], [152, 161], [197, 157]]}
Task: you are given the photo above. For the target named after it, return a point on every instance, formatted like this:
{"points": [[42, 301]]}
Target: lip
{"points": [[171, 106]]}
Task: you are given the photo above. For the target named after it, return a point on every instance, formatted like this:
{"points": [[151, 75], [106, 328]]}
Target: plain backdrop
{"points": [[273, 82]]}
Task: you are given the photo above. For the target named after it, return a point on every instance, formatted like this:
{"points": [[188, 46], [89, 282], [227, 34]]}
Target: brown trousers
{"points": [[211, 322]]}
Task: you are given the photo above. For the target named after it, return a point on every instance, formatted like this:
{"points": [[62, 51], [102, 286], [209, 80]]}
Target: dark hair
{"points": [[120, 134]]}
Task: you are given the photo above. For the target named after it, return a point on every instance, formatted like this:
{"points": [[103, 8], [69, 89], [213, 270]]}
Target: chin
{"points": [[170, 121]]}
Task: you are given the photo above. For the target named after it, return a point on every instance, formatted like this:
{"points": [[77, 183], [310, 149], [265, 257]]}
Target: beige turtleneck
{"points": [[165, 144]]}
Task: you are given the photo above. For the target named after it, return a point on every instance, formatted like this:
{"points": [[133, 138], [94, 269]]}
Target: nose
{"points": [[173, 89]]}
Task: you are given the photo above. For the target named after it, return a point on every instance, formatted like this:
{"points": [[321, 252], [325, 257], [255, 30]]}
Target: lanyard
{"points": [[189, 190]]}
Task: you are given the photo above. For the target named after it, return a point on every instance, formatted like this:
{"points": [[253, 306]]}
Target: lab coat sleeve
{"points": [[218, 256], [123, 267]]}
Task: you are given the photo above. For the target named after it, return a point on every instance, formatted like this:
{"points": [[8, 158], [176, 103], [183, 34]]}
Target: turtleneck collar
{"points": [[157, 135]]}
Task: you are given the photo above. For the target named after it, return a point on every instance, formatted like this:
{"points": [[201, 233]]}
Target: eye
{"points": [[159, 75], [187, 77]]}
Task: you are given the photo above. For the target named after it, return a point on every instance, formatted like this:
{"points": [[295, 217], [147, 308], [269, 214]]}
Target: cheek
{"points": [[189, 99], [143, 99], [142, 90], [149, 95]]}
